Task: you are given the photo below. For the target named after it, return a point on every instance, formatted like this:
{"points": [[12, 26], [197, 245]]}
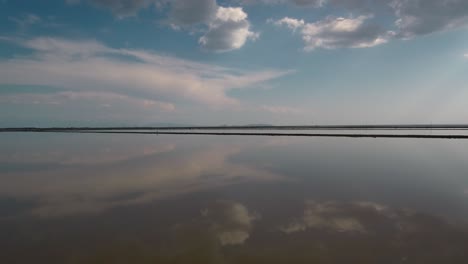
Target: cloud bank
{"points": [[84, 66], [227, 28], [411, 18]]}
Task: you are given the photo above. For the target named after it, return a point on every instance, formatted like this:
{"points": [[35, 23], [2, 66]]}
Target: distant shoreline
{"points": [[217, 131], [262, 127]]}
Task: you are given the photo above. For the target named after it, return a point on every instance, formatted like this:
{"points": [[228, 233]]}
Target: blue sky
{"points": [[207, 62]]}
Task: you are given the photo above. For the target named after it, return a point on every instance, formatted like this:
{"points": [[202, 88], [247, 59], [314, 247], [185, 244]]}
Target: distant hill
{"points": [[259, 125], [167, 125]]}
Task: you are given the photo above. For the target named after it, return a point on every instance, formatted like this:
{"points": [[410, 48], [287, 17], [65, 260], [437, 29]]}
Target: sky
{"points": [[233, 62]]}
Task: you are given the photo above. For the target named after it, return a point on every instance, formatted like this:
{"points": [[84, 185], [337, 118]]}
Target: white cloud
{"points": [[291, 23], [88, 65], [228, 31], [332, 33], [224, 28], [465, 55]]}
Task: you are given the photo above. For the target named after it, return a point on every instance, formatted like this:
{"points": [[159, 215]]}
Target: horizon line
{"points": [[253, 126]]}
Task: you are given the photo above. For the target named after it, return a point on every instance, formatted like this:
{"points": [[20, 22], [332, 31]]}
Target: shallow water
{"points": [[104, 198]]}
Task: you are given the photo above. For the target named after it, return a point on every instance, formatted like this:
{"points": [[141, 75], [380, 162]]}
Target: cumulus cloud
{"points": [[228, 31], [291, 23], [224, 28], [332, 33], [88, 65], [422, 17]]}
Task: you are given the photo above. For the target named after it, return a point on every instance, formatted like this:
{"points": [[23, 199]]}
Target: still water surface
{"points": [[86, 198]]}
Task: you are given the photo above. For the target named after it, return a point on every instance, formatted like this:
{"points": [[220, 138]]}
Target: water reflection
{"points": [[86, 182], [185, 199]]}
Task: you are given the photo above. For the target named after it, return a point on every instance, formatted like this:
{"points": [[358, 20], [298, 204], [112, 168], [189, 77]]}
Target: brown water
{"points": [[85, 198]]}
